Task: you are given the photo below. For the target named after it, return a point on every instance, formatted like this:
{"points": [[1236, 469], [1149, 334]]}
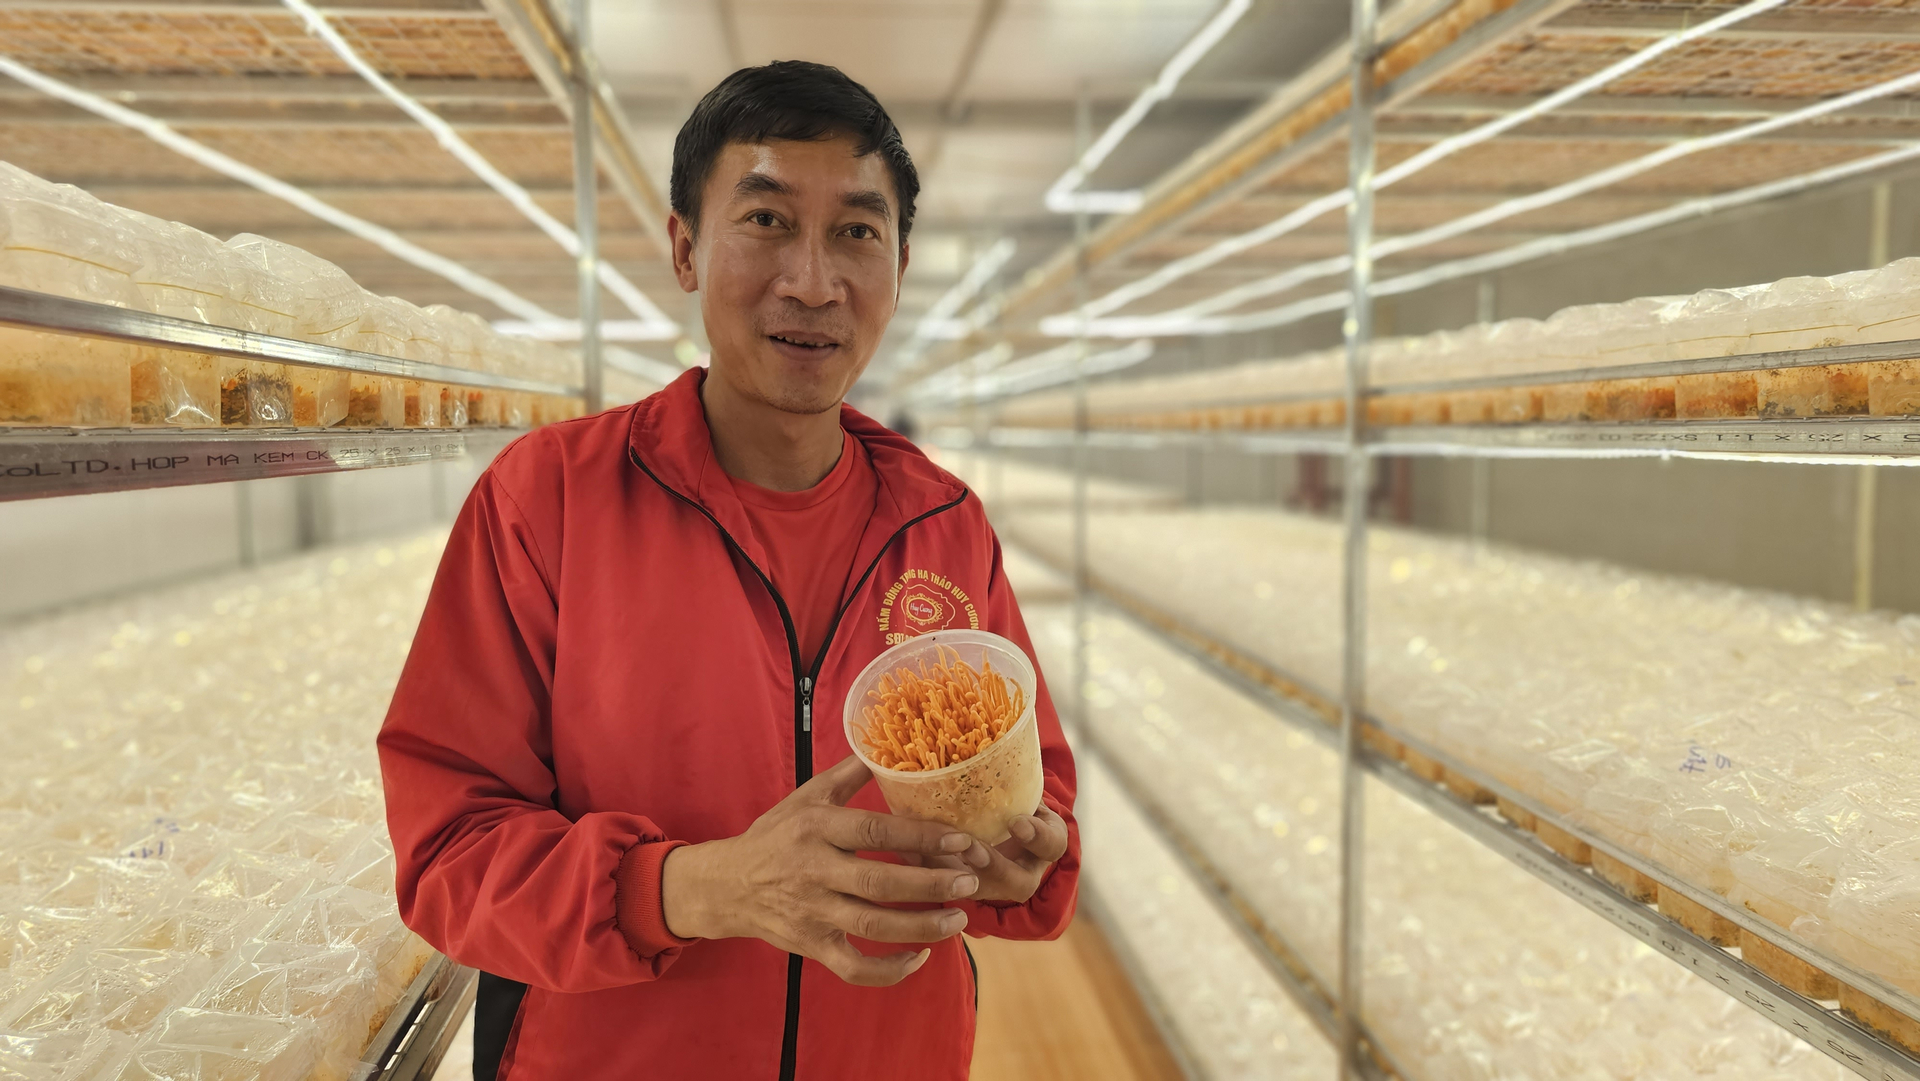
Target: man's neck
{"points": [[754, 442]]}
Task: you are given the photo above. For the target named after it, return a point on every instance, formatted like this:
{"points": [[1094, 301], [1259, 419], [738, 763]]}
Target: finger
{"points": [[950, 863], [836, 785], [855, 830], [1008, 868], [978, 854], [877, 924], [891, 882], [1042, 834], [857, 968]]}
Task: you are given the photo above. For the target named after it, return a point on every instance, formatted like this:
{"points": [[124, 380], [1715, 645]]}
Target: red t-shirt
{"points": [[810, 538]]}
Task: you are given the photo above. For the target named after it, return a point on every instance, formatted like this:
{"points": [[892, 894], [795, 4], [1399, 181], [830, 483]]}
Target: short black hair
{"points": [[787, 99]]}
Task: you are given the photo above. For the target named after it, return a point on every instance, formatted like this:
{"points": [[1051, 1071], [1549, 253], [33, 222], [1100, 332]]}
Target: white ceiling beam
{"points": [[144, 89], [535, 30], [203, 119], [164, 134], [384, 9]]}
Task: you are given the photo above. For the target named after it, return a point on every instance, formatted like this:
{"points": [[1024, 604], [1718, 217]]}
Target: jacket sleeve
{"points": [[488, 870], [1046, 914]]}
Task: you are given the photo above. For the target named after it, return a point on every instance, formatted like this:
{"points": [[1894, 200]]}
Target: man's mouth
{"points": [[812, 342]]}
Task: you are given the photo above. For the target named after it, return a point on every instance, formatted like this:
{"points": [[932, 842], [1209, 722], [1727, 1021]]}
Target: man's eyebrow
{"points": [[760, 184], [868, 200]]}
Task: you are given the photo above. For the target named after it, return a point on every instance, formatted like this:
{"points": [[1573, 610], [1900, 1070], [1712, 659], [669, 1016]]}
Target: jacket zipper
{"points": [[803, 684]]}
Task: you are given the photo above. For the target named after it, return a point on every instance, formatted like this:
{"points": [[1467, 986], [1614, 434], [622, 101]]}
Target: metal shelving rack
{"points": [[1431, 74], [1834, 439], [517, 71], [50, 462], [421, 1026], [1266, 940], [38, 462], [1486, 810]]}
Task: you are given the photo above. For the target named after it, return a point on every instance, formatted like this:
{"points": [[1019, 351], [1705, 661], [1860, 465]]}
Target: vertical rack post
{"points": [[1866, 496], [1480, 504], [243, 518], [1359, 335], [970, 412], [1083, 133], [586, 208], [996, 470]]}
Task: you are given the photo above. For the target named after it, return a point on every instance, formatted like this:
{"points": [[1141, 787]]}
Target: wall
{"points": [[76, 548]]}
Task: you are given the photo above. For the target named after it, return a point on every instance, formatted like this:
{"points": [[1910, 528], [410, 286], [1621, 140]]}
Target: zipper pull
{"points": [[806, 703]]}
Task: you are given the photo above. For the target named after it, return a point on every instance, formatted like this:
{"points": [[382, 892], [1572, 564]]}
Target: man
{"points": [[599, 761]]}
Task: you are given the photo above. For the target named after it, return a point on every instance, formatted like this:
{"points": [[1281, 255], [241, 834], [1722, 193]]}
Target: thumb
{"points": [[838, 784]]}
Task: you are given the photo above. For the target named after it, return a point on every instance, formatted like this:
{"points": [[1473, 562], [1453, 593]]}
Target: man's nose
{"points": [[807, 273]]}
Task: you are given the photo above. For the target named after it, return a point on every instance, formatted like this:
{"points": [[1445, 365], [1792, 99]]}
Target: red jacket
{"points": [[602, 668]]}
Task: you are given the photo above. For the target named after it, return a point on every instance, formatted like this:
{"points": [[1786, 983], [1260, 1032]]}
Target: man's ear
{"points": [[906, 252], [680, 241]]}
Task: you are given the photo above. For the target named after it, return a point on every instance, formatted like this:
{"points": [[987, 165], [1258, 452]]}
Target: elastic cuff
{"points": [[637, 909]]}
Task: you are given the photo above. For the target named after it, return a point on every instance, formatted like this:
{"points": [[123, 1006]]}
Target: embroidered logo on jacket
{"points": [[920, 601]]}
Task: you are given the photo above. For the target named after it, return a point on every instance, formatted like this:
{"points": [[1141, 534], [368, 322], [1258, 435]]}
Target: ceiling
{"points": [[985, 92]]}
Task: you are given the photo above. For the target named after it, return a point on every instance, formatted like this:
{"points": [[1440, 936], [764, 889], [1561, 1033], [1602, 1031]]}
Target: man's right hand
{"points": [[793, 880]]}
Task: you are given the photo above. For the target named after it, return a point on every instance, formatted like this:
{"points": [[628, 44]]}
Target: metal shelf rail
{"points": [[421, 1026], [1265, 940], [1814, 440], [36, 463], [42, 311], [1468, 798], [41, 462], [1843, 439]]}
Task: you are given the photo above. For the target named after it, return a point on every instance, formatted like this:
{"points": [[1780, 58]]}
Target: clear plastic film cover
{"points": [[197, 878]]}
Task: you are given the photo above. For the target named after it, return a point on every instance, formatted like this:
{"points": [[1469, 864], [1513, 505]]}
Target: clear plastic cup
{"points": [[984, 793]]}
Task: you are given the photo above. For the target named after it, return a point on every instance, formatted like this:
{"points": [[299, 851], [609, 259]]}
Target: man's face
{"points": [[798, 263]]}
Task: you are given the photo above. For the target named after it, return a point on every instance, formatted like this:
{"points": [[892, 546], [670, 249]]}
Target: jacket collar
{"points": [[670, 439]]}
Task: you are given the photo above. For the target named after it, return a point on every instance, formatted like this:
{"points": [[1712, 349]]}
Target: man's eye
{"points": [[763, 219], [861, 232]]}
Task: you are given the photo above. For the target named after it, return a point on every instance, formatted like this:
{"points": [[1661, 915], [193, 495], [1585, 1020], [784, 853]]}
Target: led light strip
{"points": [[952, 381], [1506, 257], [1021, 376], [1625, 170], [1044, 369], [389, 241], [938, 321], [642, 367], [450, 141], [1599, 234], [939, 324], [1190, 319], [568, 330], [1063, 197], [1445, 148]]}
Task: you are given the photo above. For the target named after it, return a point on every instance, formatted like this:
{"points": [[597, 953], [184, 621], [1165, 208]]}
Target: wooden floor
{"points": [[1062, 1011]]}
